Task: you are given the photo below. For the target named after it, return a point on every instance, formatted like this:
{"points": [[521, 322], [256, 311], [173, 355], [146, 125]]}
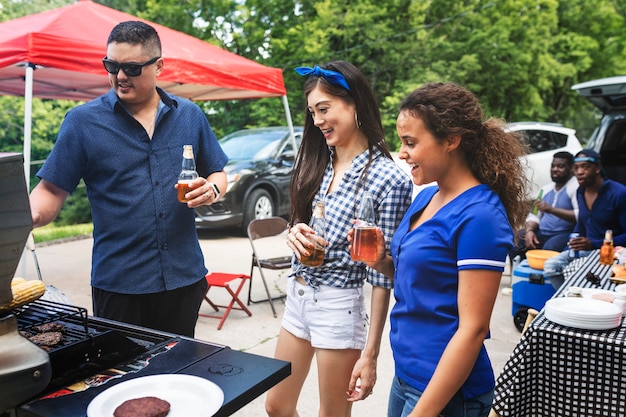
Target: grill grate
{"points": [[41, 312]]}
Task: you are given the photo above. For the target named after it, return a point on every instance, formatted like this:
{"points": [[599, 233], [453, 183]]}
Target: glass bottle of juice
{"points": [[187, 174], [318, 224], [607, 254]]}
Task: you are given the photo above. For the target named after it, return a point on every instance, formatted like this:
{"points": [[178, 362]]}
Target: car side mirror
{"points": [[288, 156]]}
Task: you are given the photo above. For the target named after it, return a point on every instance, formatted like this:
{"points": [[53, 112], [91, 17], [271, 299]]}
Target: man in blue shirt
{"points": [[127, 146], [602, 206], [556, 213]]}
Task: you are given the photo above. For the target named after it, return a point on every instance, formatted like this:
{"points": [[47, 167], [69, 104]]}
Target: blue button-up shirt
{"points": [[607, 212], [145, 241]]}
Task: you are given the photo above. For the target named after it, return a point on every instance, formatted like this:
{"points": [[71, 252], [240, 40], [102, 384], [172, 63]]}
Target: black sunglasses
{"points": [[132, 70]]}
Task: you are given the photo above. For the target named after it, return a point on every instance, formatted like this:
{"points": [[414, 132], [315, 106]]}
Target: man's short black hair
{"points": [[136, 32], [565, 155]]}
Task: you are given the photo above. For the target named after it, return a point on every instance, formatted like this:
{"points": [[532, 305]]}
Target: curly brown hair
{"points": [[492, 153]]}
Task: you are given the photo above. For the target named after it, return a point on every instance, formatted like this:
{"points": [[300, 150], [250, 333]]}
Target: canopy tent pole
{"points": [[28, 115], [290, 123]]}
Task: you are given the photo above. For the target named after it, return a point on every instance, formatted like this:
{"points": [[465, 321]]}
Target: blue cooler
{"points": [[530, 290]]}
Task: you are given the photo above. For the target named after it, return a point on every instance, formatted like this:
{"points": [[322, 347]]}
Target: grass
{"points": [[52, 232]]}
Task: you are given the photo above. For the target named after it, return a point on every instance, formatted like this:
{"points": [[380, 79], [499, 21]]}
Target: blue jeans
{"points": [[553, 268], [403, 397]]}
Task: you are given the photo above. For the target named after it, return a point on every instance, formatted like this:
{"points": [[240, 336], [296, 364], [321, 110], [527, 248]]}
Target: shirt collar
{"points": [[359, 161]]}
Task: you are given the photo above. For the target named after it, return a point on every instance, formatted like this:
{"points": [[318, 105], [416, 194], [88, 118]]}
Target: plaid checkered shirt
{"points": [[391, 189]]}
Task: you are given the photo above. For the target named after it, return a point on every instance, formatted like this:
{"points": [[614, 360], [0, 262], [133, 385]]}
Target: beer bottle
{"points": [[187, 174], [607, 254], [318, 224], [365, 238], [535, 209]]}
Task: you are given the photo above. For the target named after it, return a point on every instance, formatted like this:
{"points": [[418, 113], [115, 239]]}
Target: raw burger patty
{"points": [[143, 407]]}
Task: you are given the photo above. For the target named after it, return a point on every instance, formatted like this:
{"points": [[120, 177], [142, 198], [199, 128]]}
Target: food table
{"points": [[557, 370]]}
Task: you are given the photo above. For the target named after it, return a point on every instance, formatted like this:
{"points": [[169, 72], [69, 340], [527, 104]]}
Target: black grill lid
{"points": [[15, 219]]}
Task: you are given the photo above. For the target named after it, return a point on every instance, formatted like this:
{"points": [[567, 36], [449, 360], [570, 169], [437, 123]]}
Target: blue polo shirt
{"points": [[145, 241], [471, 232], [607, 212]]}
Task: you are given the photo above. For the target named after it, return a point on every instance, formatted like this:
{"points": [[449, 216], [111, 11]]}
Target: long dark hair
{"points": [[492, 154], [314, 154]]}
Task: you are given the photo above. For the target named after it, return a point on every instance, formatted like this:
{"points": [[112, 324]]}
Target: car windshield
{"points": [[251, 146]]}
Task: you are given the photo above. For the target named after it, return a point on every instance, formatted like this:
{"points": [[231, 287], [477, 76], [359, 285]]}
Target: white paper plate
{"points": [[577, 324], [583, 307], [188, 395], [583, 313]]}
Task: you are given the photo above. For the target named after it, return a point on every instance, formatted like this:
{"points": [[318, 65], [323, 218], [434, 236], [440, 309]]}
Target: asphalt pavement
{"points": [[66, 266]]}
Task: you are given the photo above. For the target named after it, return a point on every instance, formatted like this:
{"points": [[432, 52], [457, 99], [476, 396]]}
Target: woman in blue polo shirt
{"points": [[448, 254]]}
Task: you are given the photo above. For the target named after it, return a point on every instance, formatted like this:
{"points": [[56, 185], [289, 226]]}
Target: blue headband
{"points": [[586, 159], [333, 77]]}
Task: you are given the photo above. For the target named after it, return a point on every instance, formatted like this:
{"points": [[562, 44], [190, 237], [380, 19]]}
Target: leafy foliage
{"points": [[520, 57]]}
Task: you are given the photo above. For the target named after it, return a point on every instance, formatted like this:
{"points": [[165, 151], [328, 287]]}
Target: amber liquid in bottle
{"points": [[318, 224], [316, 258], [187, 174], [607, 254]]}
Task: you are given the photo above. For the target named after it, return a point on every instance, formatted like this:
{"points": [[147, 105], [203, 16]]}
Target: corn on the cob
{"points": [[25, 292], [16, 281]]}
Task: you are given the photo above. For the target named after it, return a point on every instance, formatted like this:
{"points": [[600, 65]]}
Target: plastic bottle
{"points": [[318, 224], [187, 174], [535, 209], [607, 254]]}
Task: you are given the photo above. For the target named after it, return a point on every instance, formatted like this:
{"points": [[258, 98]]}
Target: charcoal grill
{"points": [[97, 353]]}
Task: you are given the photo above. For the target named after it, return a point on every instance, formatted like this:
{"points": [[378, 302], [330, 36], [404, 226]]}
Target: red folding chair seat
{"points": [[221, 279]]}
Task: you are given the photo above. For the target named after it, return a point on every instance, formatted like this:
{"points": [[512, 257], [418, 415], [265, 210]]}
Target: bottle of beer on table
{"points": [[607, 254]]}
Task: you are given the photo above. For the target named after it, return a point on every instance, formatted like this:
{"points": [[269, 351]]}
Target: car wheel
{"points": [[258, 205], [519, 319]]}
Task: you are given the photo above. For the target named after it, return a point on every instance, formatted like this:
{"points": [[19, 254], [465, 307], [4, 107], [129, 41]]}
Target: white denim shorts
{"points": [[328, 317]]}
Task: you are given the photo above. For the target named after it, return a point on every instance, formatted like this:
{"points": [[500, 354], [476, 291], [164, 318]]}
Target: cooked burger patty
{"points": [[49, 327], [143, 407], [47, 338]]}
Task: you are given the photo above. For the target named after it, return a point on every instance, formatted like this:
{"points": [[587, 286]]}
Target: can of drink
{"points": [[573, 253]]}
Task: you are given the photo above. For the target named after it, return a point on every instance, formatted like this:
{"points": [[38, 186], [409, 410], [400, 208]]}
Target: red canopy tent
{"points": [[58, 54]]}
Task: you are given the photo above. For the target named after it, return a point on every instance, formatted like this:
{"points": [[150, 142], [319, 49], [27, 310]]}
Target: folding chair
{"points": [[266, 228], [220, 279]]}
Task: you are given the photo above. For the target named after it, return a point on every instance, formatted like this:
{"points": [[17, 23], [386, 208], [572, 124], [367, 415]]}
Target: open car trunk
{"points": [[609, 138]]}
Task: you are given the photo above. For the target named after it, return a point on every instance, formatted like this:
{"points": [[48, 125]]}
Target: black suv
{"points": [[259, 168], [609, 138]]}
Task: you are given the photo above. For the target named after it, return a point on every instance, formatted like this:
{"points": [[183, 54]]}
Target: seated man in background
{"points": [[602, 206], [556, 213]]}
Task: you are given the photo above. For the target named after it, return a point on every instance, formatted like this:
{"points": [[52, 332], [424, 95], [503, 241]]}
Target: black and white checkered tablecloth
{"points": [[557, 370]]}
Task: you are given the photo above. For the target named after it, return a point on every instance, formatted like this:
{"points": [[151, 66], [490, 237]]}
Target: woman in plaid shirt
{"points": [[343, 154]]}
